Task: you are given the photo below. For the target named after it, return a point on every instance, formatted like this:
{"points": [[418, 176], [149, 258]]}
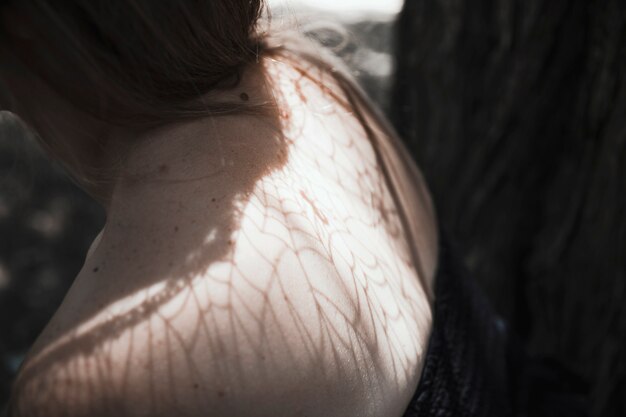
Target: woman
{"points": [[269, 249], [266, 250]]}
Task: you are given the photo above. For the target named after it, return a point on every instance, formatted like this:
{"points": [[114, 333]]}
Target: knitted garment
{"points": [[475, 367]]}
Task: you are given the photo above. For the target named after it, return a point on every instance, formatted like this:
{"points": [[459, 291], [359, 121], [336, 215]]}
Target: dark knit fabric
{"points": [[475, 367]]}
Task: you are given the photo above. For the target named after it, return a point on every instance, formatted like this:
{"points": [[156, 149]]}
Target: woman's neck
{"points": [[193, 147]]}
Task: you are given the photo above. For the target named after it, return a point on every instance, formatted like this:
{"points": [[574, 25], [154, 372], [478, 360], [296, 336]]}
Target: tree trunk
{"points": [[516, 112]]}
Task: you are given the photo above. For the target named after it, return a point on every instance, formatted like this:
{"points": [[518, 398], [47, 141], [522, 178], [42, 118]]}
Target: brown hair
{"points": [[144, 62]]}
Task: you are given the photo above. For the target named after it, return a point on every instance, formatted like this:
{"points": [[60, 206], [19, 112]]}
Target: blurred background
{"points": [[516, 112]]}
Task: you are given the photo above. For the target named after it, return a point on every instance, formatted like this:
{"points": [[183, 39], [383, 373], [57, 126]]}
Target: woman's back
{"points": [[249, 266]]}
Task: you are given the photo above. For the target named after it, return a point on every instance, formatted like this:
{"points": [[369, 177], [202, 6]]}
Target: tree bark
{"points": [[515, 110]]}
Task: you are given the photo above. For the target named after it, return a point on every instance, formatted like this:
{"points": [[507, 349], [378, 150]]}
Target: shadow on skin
{"points": [[273, 270]]}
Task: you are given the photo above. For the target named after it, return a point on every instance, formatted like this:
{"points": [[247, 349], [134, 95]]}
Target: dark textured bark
{"points": [[516, 111]]}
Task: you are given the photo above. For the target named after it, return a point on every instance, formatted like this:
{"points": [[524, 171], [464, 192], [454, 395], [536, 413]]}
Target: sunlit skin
{"points": [[249, 266]]}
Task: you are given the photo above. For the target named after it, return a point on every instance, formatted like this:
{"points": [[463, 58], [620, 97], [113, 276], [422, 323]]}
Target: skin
{"points": [[249, 266]]}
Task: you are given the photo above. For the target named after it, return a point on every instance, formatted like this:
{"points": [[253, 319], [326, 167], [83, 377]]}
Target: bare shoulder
{"points": [[265, 285], [268, 326]]}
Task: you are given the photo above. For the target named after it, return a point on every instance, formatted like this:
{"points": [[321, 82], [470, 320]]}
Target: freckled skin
{"points": [[268, 276]]}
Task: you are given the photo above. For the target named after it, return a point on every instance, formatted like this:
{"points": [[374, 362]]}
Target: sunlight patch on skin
{"points": [[210, 237], [297, 287]]}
